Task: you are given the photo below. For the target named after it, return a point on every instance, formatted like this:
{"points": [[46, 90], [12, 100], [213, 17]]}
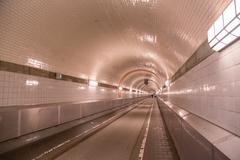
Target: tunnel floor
{"points": [[159, 145], [139, 134], [124, 139]]}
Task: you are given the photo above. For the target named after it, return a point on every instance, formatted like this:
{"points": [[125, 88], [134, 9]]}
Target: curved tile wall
{"points": [[196, 138], [21, 89], [211, 89]]}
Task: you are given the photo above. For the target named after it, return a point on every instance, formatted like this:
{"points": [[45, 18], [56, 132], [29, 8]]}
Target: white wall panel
{"points": [[20, 89], [212, 89]]}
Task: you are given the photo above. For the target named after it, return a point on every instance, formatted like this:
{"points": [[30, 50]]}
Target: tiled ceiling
{"points": [[104, 39]]}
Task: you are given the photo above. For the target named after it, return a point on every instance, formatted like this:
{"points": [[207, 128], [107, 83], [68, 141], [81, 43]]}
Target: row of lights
{"points": [[39, 64], [94, 83], [91, 83]]}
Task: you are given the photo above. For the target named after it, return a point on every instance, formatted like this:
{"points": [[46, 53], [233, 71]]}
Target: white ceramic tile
{"points": [[212, 89], [19, 89]]}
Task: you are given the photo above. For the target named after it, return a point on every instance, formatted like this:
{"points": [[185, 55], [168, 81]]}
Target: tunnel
{"points": [[119, 80]]}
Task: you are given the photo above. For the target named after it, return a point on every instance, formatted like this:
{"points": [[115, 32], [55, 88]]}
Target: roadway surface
{"points": [[124, 138]]}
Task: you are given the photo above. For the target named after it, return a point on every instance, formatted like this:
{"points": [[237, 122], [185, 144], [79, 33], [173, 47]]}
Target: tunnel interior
{"points": [[81, 70]]}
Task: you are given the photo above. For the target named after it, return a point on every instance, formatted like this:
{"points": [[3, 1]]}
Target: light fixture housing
{"points": [[226, 29], [32, 82], [92, 83], [82, 88], [120, 88]]}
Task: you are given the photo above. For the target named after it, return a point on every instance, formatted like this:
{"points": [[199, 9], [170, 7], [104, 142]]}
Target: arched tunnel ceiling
{"points": [[131, 75], [135, 80], [151, 83], [104, 39]]}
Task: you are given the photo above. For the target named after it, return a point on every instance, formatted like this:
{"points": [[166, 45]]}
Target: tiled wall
{"points": [[212, 89], [204, 140], [20, 89]]}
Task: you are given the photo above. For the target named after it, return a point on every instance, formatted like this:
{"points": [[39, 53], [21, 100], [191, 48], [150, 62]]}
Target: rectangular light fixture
{"points": [[92, 83], [226, 29], [135, 2], [32, 83], [148, 38], [82, 88], [36, 63], [167, 83]]}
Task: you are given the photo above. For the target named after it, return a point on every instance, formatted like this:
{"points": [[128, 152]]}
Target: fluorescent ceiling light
{"points": [[237, 4], [148, 38], [228, 39], [229, 12], [167, 83], [219, 46], [236, 32], [92, 83], [36, 63], [32, 83], [221, 35], [218, 25], [233, 25], [211, 34], [226, 28], [213, 42], [82, 87], [134, 2]]}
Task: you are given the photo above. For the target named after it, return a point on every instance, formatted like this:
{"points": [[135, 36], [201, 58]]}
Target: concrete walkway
{"points": [[138, 135], [115, 142]]}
